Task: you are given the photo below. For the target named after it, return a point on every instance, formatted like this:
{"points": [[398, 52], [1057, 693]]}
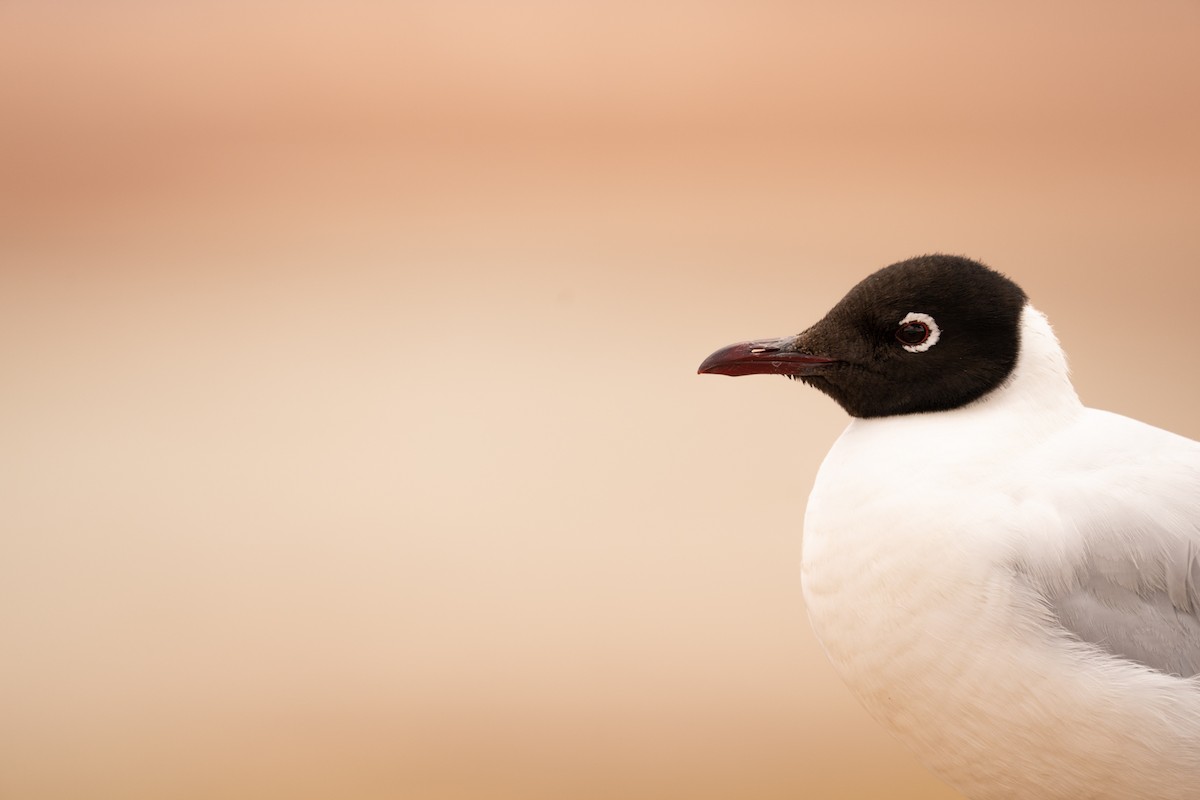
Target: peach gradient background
{"points": [[350, 442]]}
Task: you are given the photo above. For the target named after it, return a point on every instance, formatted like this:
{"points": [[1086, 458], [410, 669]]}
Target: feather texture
{"points": [[1131, 588]]}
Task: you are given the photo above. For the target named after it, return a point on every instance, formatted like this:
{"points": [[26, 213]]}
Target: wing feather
{"points": [[1130, 585]]}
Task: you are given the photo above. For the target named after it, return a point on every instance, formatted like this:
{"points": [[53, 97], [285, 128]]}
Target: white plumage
{"points": [[1011, 587]]}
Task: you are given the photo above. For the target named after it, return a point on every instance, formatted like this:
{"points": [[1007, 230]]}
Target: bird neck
{"points": [[1041, 380]]}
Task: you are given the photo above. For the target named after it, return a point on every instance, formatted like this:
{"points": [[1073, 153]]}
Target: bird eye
{"points": [[917, 332], [913, 333]]}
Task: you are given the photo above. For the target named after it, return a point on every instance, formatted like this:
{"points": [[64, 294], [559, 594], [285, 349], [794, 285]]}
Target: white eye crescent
{"points": [[917, 332]]}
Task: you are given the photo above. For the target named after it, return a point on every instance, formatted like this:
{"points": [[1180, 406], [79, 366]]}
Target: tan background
{"points": [[350, 442]]}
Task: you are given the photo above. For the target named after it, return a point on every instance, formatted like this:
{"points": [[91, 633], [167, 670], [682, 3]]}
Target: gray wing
{"points": [[1130, 503], [1131, 613]]}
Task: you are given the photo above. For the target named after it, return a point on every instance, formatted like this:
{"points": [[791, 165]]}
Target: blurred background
{"points": [[350, 438]]}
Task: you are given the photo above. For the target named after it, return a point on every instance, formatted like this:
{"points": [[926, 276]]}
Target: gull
{"points": [[1007, 580]]}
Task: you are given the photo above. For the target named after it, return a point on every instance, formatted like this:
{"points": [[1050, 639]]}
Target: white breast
{"points": [[912, 534]]}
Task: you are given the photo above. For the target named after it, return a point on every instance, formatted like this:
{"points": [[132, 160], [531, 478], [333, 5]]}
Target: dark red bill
{"points": [[765, 357]]}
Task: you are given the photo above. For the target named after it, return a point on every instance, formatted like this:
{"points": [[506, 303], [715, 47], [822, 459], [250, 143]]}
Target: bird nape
{"points": [[1026, 614]]}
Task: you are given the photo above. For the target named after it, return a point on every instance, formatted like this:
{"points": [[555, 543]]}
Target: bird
{"points": [[1006, 579]]}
